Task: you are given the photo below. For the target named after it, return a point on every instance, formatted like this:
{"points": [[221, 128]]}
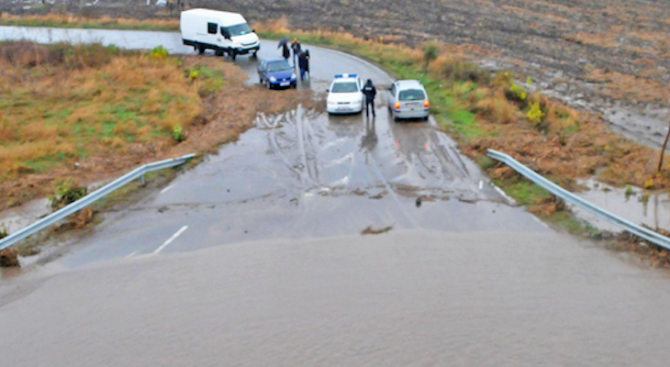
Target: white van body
{"points": [[220, 31]]}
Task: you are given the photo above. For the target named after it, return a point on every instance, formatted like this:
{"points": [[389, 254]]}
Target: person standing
{"points": [[370, 93], [286, 54], [303, 62], [297, 48]]}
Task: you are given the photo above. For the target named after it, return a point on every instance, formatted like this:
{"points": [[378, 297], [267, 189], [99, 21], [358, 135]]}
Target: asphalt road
{"points": [[256, 257]]}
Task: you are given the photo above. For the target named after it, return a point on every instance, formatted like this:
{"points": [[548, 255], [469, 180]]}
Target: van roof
{"points": [[227, 17]]}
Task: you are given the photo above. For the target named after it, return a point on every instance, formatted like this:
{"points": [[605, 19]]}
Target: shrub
{"points": [[159, 52], [535, 113], [178, 133], [3, 232], [429, 53], [67, 192]]}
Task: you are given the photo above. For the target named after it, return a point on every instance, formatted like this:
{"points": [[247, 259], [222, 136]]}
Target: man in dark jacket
{"points": [[303, 62], [285, 52], [370, 92], [297, 48]]}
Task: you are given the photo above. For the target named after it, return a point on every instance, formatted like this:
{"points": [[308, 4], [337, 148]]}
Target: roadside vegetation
{"points": [[61, 20]]}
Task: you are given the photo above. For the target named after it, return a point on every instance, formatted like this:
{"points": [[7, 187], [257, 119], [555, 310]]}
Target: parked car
{"points": [[220, 31], [408, 100], [345, 95], [276, 73]]}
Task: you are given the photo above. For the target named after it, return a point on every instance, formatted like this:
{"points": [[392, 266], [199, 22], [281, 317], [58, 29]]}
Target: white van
{"points": [[219, 31]]}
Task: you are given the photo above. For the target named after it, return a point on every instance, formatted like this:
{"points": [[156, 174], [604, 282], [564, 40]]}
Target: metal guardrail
{"points": [[631, 227], [89, 199]]}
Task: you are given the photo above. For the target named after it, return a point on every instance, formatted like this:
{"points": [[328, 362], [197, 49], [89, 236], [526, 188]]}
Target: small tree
{"points": [[665, 144], [429, 54]]}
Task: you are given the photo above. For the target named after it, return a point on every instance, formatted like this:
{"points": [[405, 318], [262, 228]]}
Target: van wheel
{"points": [[255, 55], [233, 55], [219, 53], [201, 49]]}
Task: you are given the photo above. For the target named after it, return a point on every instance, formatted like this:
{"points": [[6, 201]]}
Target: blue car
{"points": [[276, 73]]}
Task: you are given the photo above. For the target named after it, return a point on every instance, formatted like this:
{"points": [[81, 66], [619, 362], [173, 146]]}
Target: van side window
{"points": [[212, 27]]}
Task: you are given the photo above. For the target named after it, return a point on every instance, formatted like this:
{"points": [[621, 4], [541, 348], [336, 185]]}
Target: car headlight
{"points": [[293, 76], [273, 79]]}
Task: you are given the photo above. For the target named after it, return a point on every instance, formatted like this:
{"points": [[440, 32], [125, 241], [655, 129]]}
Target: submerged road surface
{"points": [[257, 257]]}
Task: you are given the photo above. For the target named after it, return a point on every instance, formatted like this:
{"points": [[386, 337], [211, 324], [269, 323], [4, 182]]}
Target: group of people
{"points": [[298, 53], [369, 89]]}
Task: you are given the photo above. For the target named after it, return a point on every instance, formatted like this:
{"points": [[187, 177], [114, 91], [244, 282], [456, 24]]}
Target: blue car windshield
{"points": [[279, 66], [236, 30]]}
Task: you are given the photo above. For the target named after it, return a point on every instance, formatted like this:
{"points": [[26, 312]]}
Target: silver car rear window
{"points": [[412, 95]]}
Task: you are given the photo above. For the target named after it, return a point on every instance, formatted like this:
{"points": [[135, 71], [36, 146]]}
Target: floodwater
{"points": [[638, 206], [407, 298], [256, 257]]}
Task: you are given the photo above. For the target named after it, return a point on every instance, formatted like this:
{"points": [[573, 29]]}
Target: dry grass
{"points": [[109, 110], [73, 21], [65, 103]]}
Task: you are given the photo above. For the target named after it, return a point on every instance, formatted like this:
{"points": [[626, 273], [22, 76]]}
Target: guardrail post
{"points": [[142, 180]]}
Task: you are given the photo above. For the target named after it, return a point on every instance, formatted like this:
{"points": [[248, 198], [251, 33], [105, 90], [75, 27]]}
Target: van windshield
{"points": [[236, 30], [412, 95]]}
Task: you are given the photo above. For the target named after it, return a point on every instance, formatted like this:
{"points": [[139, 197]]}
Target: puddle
{"points": [[16, 218], [631, 204]]}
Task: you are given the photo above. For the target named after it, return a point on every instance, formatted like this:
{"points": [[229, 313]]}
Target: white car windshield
{"points": [[412, 95], [345, 87]]}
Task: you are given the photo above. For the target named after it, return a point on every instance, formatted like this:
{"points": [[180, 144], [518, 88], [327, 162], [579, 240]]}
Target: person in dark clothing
{"points": [[370, 92], [286, 54], [303, 62], [297, 48]]}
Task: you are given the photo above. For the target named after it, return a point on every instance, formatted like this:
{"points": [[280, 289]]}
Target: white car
{"points": [[345, 94]]}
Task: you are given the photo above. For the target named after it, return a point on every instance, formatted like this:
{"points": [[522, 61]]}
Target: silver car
{"points": [[408, 100]]}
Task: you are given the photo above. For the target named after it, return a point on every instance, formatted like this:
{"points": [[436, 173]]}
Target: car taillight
{"points": [[397, 105], [426, 103]]}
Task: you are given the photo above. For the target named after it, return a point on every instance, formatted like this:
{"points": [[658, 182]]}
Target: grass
{"points": [[62, 103], [59, 20]]}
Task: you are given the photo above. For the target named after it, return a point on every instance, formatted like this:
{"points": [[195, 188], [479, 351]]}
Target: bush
{"points": [[67, 192], [535, 113], [3, 232], [429, 53], [159, 52], [178, 133]]}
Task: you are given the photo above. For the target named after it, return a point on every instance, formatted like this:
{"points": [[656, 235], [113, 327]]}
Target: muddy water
{"points": [[416, 298], [651, 209]]}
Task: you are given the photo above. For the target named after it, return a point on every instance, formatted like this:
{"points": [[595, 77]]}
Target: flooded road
{"points": [[256, 257], [417, 298]]}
